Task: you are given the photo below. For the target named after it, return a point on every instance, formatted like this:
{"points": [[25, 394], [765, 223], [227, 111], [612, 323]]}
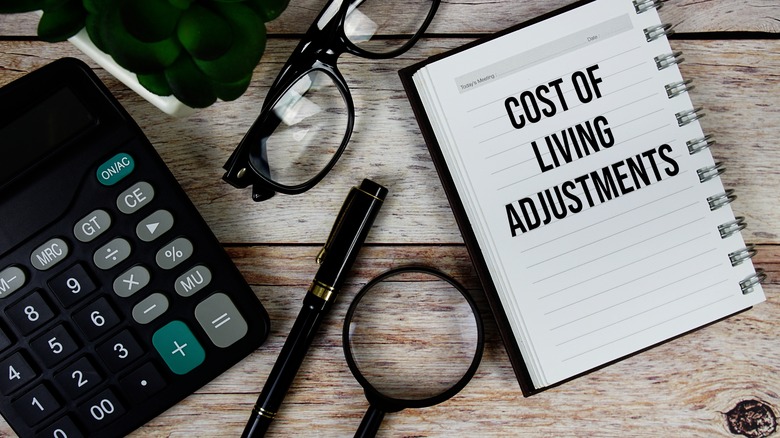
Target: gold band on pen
{"points": [[369, 194], [321, 290], [264, 413]]}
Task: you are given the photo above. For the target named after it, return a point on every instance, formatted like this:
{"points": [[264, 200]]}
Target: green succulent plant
{"points": [[197, 50]]}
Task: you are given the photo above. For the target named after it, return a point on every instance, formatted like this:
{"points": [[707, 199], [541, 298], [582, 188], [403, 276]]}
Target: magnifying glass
{"points": [[412, 338]]}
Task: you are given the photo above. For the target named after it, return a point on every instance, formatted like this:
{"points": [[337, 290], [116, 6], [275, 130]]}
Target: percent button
{"points": [[170, 255]]}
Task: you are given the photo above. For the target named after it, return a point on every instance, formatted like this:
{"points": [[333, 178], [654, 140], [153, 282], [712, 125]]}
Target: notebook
{"points": [[584, 187]]}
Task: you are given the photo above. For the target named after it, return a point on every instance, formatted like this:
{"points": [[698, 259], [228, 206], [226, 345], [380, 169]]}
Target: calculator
{"points": [[116, 300]]}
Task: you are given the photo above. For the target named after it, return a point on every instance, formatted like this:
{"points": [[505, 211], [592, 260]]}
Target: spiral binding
{"points": [[746, 253], [688, 116], [699, 144], [677, 88], [668, 59], [710, 172], [652, 33], [751, 280], [721, 199], [645, 5], [731, 227]]}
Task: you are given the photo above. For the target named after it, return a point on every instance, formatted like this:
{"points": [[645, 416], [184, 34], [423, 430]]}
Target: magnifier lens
{"points": [[413, 336]]}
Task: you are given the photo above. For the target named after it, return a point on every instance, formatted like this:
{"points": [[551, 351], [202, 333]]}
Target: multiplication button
{"points": [[131, 281]]}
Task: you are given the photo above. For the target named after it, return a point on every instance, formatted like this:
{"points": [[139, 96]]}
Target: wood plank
{"points": [[490, 16], [737, 84], [681, 388]]}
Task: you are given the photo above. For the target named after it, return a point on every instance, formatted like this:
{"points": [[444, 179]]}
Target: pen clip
{"points": [[336, 225]]}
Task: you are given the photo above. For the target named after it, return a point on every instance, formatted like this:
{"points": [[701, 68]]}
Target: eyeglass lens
{"points": [[413, 336], [311, 121], [396, 21]]}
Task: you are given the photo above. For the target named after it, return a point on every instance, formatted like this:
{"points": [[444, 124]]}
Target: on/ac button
{"points": [[115, 169]]}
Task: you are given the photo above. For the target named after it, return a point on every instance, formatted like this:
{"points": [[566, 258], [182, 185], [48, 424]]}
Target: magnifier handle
{"points": [[372, 419]]}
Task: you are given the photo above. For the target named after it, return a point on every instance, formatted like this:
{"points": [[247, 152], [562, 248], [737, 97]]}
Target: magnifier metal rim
{"points": [[392, 404]]}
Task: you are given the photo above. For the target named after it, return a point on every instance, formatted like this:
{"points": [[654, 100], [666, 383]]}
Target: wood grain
{"points": [[681, 388]]}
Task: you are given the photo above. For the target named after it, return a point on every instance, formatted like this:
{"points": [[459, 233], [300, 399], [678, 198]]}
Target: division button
{"points": [[178, 347], [112, 253], [11, 279], [151, 307], [131, 281], [49, 254], [134, 198], [170, 255], [221, 320], [91, 226], [192, 281], [154, 226]]}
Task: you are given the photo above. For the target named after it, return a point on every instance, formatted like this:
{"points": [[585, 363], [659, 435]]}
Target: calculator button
{"points": [[112, 253], [78, 378], [178, 347], [101, 410], [53, 347], [169, 256], [72, 285], [155, 225], [142, 383], [30, 313], [192, 281], [131, 281], [62, 428], [134, 198], [220, 320], [15, 372], [36, 405], [115, 169], [120, 351], [148, 309], [49, 254], [11, 279], [96, 319], [91, 226]]}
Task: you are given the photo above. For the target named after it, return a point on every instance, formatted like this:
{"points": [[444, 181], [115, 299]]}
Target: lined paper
{"points": [[620, 270]]}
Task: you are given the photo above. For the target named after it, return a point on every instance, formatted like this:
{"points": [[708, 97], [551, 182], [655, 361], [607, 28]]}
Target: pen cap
{"points": [[349, 232]]}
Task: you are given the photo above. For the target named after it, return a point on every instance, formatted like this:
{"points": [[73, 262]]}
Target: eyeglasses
{"points": [[308, 115]]}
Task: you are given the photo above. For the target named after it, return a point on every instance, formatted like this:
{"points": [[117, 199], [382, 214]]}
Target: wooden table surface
{"points": [[683, 388]]}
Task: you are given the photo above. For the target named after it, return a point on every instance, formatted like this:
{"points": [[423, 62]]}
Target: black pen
{"points": [[336, 259]]}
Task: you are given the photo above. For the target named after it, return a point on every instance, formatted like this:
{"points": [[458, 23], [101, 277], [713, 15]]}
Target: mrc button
{"points": [[115, 169], [49, 254]]}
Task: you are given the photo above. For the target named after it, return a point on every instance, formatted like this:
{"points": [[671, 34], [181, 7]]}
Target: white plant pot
{"points": [[168, 104]]}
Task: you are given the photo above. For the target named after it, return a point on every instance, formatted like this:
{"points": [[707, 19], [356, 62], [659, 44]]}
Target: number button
{"points": [[96, 319], [54, 346], [120, 351], [5, 340], [30, 313], [15, 372], [101, 410], [36, 405], [62, 428], [72, 285], [78, 378]]}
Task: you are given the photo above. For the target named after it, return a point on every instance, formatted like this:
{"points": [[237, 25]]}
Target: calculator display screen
{"points": [[39, 131]]}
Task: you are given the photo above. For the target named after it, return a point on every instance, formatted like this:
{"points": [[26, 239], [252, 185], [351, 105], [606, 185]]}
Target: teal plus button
{"points": [[178, 347], [115, 169]]}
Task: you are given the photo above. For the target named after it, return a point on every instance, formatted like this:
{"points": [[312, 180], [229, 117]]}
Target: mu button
{"points": [[178, 347]]}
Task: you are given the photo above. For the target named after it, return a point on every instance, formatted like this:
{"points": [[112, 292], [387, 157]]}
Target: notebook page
{"points": [[573, 170]]}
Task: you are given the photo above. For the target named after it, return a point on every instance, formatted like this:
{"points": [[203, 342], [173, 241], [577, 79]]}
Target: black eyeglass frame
{"points": [[319, 50]]}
